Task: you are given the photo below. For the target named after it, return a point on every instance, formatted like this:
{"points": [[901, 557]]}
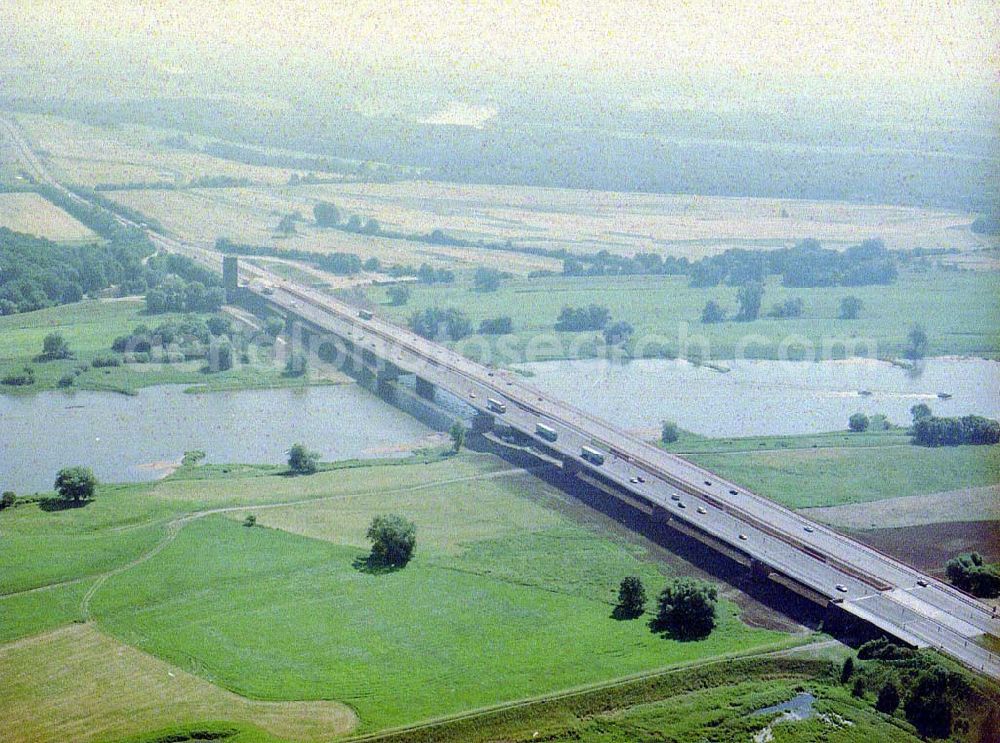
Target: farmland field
{"points": [[628, 223], [498, 565], [251, 215], [30, 213], [93, 155]]}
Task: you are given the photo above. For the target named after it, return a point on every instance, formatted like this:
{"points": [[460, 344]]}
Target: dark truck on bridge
{"points": [[592, 455], [495, 405]]}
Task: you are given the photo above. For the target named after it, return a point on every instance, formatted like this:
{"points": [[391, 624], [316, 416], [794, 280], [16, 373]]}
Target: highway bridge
{"points": [[770, 539]]}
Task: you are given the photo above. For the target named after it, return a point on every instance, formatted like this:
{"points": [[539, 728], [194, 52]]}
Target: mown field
{"points": [[30, 213], [629, 223], [91, 326], [843, 468], [251, 215], [960, 311], [508, 596]]}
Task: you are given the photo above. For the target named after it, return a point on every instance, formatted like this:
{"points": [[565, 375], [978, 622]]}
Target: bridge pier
{"points": [[482, 422], [384, 379], [425, 389], [760, 570], [230, 278]]}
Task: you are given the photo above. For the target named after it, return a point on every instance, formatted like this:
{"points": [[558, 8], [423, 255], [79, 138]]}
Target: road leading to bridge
{"points": [[864, 582]]}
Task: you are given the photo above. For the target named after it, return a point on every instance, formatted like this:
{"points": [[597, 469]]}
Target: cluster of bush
{"points": [[914, 681], [969, 429], [604, 263], [971, 573], [341, 263], [174, 294], [593, 317], [496, 326], [177, 340], [437, 323], [805, 265], [203, 181], [22, 378]]}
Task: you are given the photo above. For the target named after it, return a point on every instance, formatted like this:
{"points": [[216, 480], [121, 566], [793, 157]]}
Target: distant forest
{"points": [[621, 150]]}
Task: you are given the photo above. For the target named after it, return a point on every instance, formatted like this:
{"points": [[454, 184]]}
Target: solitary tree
{"points": [[858, 690], [393, 539], [686, 609], [920, 412], [749, 296], [916, 343], [858, 422], [326, 214], [618, 332], [250, 520], [457, 433], [631, 599], [929, 705], [850, 308], [713, 312], [301, 461], [75, 484], [669, 433], [8, 499], [54, 346], [399, 294], [486, 279], [847, 669], [888, 698]]}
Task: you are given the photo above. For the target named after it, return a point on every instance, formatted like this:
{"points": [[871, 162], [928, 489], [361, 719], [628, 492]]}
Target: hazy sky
{"points": [[773, 40]]}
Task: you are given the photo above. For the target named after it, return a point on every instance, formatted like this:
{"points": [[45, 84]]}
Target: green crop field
{"points": [[509, 595], [960, 311], [839, 468], [91, 326]]}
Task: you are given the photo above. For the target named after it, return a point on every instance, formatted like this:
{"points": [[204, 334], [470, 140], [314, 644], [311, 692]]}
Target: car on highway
{"points": [[701, 509], [841, 587], [743, 537], [809, 529]]}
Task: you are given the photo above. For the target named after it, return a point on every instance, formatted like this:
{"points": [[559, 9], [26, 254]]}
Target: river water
{"points": [[766, 397], [125, 438], [137, 438]]}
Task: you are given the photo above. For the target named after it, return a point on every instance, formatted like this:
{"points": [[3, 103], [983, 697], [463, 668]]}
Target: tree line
{"points": [[807, 264]]}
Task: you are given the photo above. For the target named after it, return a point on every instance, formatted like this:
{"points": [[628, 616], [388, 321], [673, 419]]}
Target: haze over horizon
{"points": [[658, 54]]}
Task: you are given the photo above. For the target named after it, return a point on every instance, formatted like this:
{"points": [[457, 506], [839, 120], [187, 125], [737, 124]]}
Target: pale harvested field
{"points": [[635, 222], [251, 215], [78, 684], [29, 212], [968, 504], [89, 155]]}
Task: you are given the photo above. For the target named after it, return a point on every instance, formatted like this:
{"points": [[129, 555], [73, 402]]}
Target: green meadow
{"points": [[509, 595], [959, 309]]}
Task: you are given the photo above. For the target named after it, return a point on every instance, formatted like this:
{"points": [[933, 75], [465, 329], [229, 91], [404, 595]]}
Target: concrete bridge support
{"points": [[482, 422], [384, 379], [425, 389], [230, 278]]}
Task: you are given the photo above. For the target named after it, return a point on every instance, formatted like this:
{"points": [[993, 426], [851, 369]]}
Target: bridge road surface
{"points": [[864, 582]]}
